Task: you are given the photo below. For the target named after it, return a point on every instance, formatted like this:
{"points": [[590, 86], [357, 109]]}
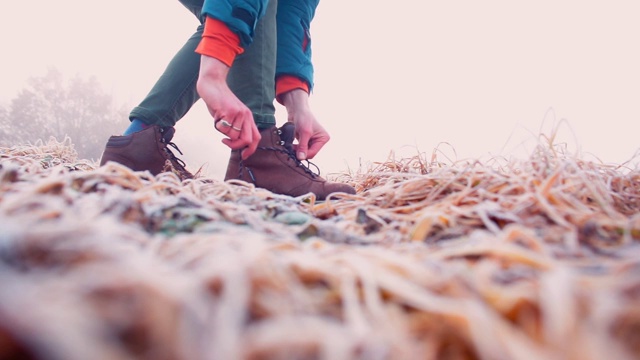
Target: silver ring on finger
{"points": [[228, 124]]}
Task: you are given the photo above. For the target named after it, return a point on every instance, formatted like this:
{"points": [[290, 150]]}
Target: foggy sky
{"points": [[405, 76]]}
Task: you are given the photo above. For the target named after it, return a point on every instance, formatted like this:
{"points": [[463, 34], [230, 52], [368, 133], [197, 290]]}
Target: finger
{"points": [[233, 126], [225, 127], [235, 144], [303, 145], [235, 141], [315, 147], [240, 134], [220, 125], [253, 146]]}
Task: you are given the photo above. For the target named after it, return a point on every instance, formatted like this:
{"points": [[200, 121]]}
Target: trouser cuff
{"points": [[149, 117], [264, 121]]}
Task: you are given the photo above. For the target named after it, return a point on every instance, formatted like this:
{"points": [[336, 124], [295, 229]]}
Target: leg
{"points": [[274, 165], [144, 145], [252, 76], [175, 91]]}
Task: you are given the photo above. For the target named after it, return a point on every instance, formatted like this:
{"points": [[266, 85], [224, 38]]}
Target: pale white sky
{"points": [[485, 77]]}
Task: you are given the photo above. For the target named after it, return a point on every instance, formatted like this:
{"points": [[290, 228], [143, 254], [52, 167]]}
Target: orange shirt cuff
{"points": [[219, 42], [286, 83]]}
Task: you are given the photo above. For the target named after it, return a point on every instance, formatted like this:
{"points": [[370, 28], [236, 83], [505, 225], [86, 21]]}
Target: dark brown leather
{"points": [[274, 167], [146, 150]]}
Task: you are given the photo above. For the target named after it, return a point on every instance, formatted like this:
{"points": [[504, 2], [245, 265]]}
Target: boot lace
{"points": [[182, 164], [177, 162]]}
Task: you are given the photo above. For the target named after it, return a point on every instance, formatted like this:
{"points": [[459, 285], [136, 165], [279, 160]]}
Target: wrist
{"points": [[295, 100], [213, 68]]}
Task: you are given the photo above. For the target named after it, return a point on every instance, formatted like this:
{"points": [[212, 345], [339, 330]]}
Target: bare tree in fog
{"points": [[4, 122], [50, 106]]}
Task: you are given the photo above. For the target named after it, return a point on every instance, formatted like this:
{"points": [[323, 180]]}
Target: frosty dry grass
{"points": [[531, 259]]}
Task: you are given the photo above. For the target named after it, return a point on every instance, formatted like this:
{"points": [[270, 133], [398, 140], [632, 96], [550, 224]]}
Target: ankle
{"points": [[135, 126]]}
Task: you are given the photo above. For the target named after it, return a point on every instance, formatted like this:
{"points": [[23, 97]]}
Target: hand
{"points": [[232, 118], [310, 134]]}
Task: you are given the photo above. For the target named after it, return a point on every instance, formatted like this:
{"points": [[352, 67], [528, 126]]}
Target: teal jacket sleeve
{"points": [[294, 40], [241, 16]]}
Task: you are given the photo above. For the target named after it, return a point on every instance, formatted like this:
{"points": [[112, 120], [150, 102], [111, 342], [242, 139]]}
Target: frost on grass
{"points": [[525, 259]]}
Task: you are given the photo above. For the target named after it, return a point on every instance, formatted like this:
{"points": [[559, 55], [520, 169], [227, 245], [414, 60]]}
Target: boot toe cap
{"points": [[331, 188], [343, 188]]}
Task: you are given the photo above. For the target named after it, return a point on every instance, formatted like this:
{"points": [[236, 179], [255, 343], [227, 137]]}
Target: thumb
{"points": [[303, 147]]}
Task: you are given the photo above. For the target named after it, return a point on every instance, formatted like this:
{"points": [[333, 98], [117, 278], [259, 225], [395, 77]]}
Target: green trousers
{"points": [[251, 78]]}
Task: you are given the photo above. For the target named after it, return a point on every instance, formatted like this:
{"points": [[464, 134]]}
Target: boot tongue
{"points": [[287, 135], [167, 133]]}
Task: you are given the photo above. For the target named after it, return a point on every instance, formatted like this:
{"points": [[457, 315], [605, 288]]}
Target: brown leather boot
{"points": [[146, 150], [274, 167]]}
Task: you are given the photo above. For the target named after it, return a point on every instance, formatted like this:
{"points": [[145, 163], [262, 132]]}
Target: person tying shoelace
{"points": [[243, 56]]}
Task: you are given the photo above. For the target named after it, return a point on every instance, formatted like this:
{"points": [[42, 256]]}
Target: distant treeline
{"points": [[52, 106]]}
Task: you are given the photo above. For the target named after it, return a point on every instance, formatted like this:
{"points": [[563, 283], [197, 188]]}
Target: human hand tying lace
{"points": [[232, 117], [310, 134]]}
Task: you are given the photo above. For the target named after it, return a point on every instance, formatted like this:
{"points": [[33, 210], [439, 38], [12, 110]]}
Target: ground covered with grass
{"points": [[536, 258]]}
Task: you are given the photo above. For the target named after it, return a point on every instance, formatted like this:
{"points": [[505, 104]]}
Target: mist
{"points": [[472, 80]]}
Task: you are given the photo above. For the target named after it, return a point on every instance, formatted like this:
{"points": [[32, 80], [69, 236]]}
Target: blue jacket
{"points": [[293, 22]]}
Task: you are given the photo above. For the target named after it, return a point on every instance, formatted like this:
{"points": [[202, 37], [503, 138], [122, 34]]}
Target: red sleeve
{"points": [[219, 42], [286, 83]]}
